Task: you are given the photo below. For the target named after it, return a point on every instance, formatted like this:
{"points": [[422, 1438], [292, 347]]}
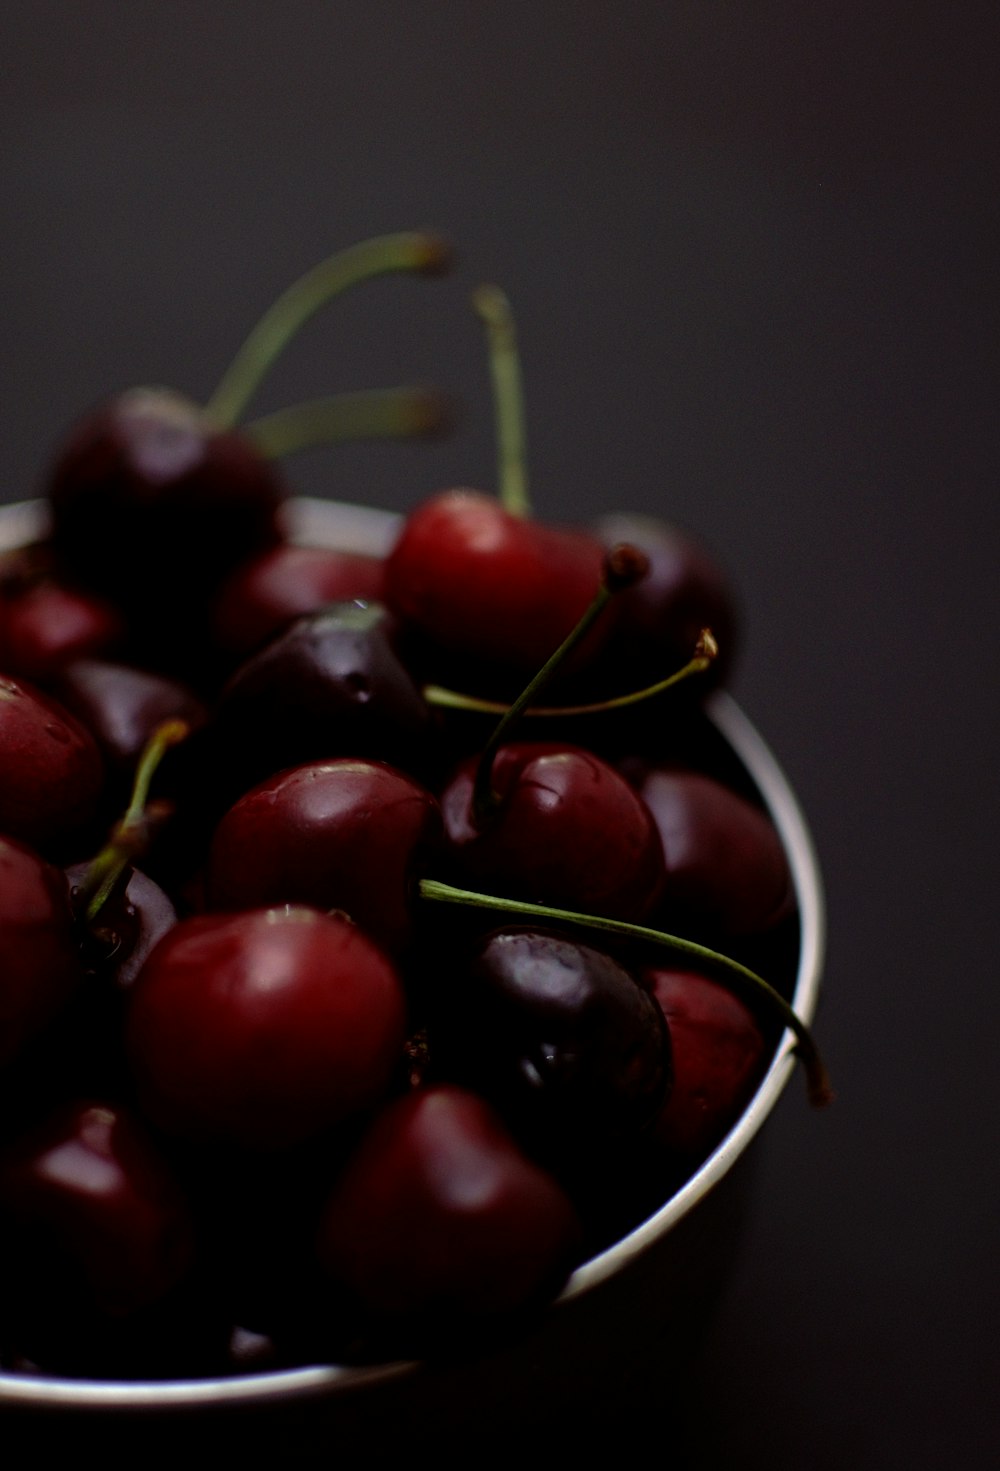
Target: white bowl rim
{"points": [[315, 522]]}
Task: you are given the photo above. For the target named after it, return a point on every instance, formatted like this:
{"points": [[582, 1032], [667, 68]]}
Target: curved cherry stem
{"points": [[705, 653], [624, 566], [380, 256], [382, 413], [817, 1079], [130, 834], [493, 308]]}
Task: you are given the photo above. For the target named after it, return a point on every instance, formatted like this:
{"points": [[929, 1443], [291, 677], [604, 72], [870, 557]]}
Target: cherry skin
{"points": [[660, 618], [93, 1205], [558, 1036], [480, 580], [719, 1057], [727, 871], [137, 913], [349, 835], [439, 1216], [566, 830], [47, 624], [264, 1028], [40, 964], [51, 772], [330, 685], [264, 596], [147, 497]]}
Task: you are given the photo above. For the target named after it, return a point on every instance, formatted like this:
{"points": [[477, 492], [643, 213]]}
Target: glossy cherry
{"points": [[719, 1055], [478, 579], [558, 1035], [263, 1028], [727, 871], [565, 830], [264, 596], [440, 1217], [92, 1203], [45, 622], [330, 685], [40, 965], [349, 835], [51, 772]]}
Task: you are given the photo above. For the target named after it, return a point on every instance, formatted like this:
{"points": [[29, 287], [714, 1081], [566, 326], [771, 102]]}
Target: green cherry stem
{"points": [[130, 834], [494, 311], [406, 251], [706, 651], [385, 413], [817, 1079], [624, 565]]}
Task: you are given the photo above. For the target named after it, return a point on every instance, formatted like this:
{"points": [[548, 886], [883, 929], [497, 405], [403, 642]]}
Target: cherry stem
{"points": [[406, 251], [817, 1079], [385, 413], [494, 310], [624, 565], [705, 653], [130, 833]]}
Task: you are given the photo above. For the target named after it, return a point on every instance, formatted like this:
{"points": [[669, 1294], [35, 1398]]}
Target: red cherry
{"points": [[346, 835], [40, 965], [262, 598], [726, 867], [263, 1028], [51, 773], [719, 1057], [88, 1190], [146, 498], [566, 830], [46, 625], [478, 579], [440, 1214]]}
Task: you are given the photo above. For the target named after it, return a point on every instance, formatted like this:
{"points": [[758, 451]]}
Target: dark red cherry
{"points": [[439, 1216], [659, 619], [566, 830], [137, 913], [330, 685], [263, 1028], [40, 964], [719, 1058], [90, 1204], [45, 625], [349, 835], [727, 871], [147, 500], [264, 596], [51, 772], [557, 1035], [480, 580]]}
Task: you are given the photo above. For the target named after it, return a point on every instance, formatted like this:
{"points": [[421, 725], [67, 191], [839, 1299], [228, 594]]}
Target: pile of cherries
{"points": [[363, 968]]}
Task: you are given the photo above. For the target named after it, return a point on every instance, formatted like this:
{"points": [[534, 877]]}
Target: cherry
{"points": [[660, 619], [719, 1057], [134, 917], [480, 580], [147, 495], [557, 1035], [263, 1028], [44, 623], [565, 829], [87, 1189], [439, 1216], [265, 595], [726, 869], [51, 773], [346, 834], [40, 965], [330, 685]]}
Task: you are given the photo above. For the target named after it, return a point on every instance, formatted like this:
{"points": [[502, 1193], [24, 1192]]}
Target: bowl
{"points": [[623, 1327]]}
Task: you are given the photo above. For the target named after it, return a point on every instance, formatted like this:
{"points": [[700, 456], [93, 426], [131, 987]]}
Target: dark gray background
{"points": [[752, 250]]}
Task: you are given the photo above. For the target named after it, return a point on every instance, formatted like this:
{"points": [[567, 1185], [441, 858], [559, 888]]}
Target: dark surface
{"points": [[752, 251]]}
